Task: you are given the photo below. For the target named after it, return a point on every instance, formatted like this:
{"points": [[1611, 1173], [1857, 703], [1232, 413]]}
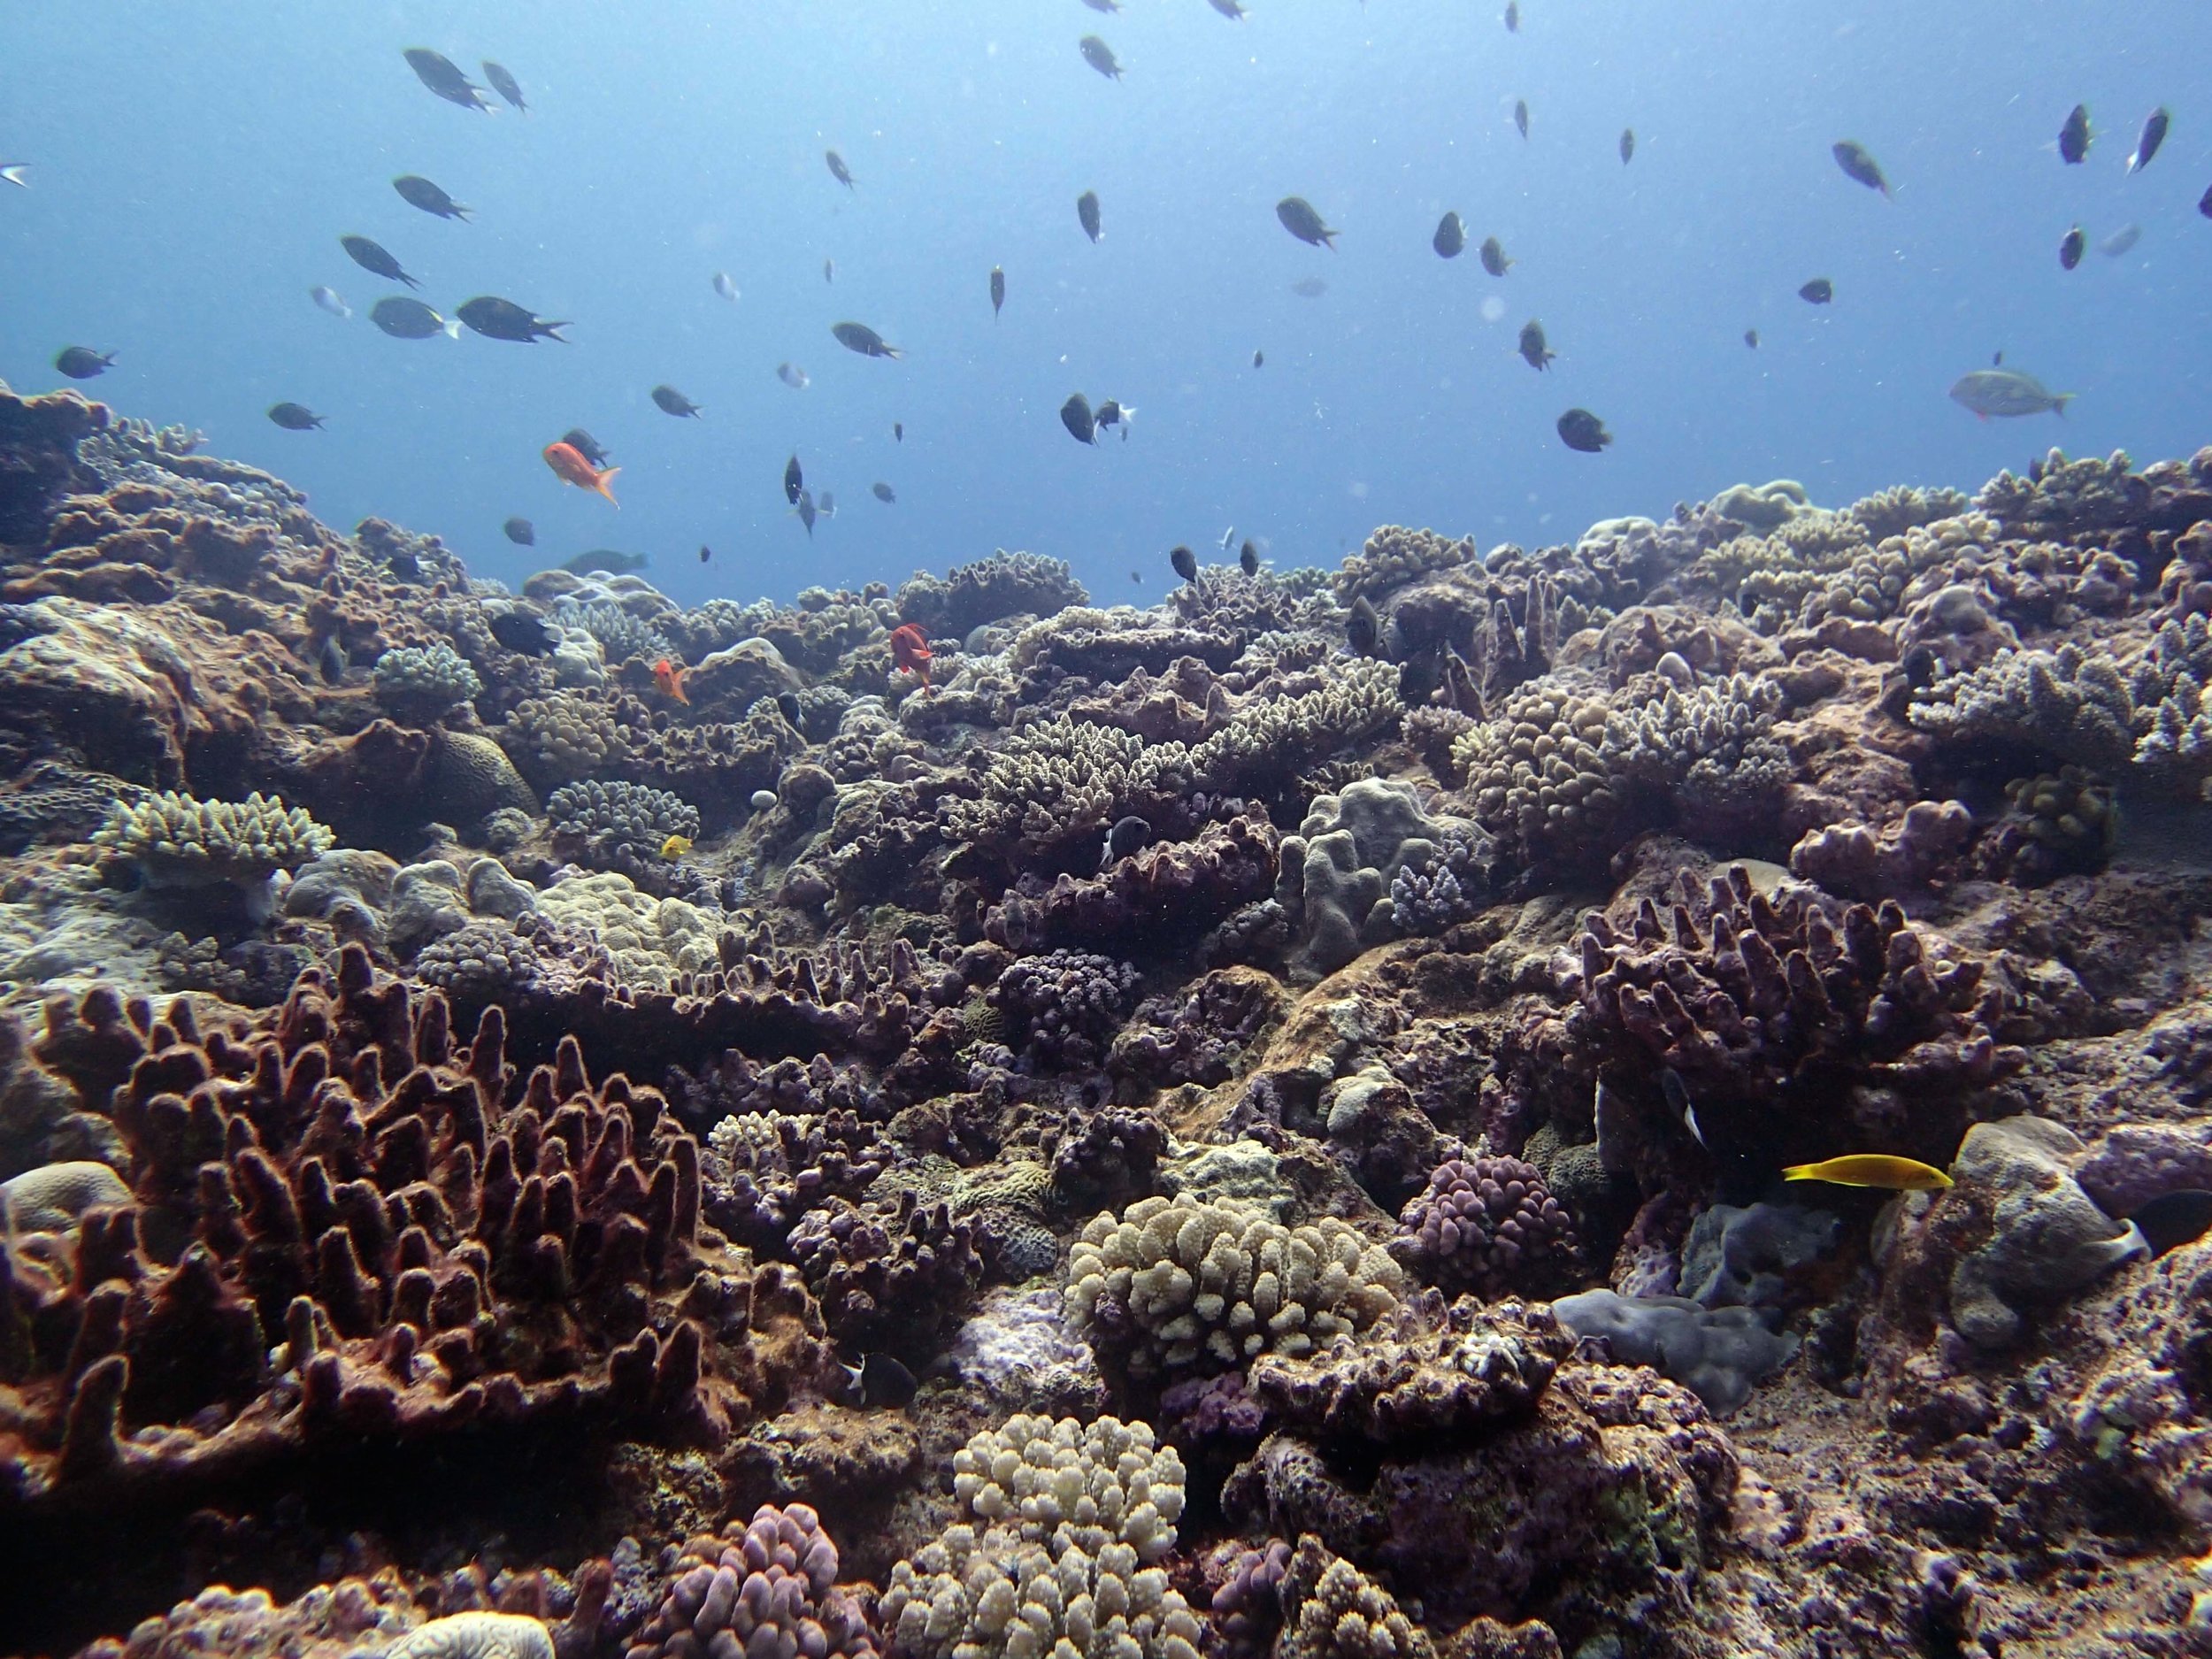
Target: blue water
{"points": [[192, 168]]}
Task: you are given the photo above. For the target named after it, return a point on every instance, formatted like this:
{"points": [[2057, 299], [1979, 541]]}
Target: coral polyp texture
{"points": [[1252, 1124]]}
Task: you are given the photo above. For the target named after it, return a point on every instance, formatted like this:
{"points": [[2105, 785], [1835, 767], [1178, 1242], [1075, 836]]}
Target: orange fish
{"points": [[910, 652], [669, 679], [567, 461]]}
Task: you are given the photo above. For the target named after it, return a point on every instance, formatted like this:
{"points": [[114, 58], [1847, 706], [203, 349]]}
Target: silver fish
{"points": [[328, 298], [2121, 239], [793, 376], [2005, 393], [723, 286]]}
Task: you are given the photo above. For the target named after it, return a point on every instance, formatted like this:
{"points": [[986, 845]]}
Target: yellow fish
{"points": [[1872, 1169], [677, 846]]}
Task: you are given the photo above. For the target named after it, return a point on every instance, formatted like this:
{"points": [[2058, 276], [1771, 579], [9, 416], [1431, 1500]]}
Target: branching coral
{"points": [[1183, 1285], [179, 842]]}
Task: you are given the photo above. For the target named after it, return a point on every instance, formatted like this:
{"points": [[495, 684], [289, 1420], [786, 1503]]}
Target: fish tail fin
{"points": [[1800, 1173], [451, 328], [603, 485], [552, 331], [409, 281], [2058, 403], [462, 213]]}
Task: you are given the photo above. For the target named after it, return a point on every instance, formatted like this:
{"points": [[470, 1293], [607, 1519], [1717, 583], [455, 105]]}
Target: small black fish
{"points": [[1520, 115], [829, 270], [1137, 577], [2173, 1219], [403, 318], [1532, 349], [417, 191], [1129, 836], [1579, 429], [1512, 17], [788, 705], [884, 493], [295, 416], [2069, 248], [1076, 415], [82, 362], [838, 170], [1228, 8], [1491, 253], [865, 341], [1363, 628], [521, 532], [1259, 358], [495, 319], [523, 631], [1099, 55], [1115, 413], [2153, 135], [2073, 138], [898, 432], [1185, 564], [882, 1382], [805, 510], [330, 662], [2204, 202], [1450, 240], [1300, 220], [1628, 145], [1858, 166], [1106, 6], [794, 481], [1751, 338], [585, 445], [1819, 291], [505, 85], [1249, 559], [371, 256], [998, 291], [442, 77], [1086, 214], [672, 402], [606, 560], [706, 553]]}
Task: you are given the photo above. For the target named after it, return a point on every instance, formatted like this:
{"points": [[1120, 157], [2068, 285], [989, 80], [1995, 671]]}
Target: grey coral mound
{"points": [[1718, 1354], [178, 840], [1077, 1518], [424, 681], [53, 1197], [1186, 1285], [1342, 875], [475, 1636], [2047, 1238]]}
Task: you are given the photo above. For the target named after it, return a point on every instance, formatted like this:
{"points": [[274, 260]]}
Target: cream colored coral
{"points": [[1213, 1284], [177, 839], [475, 1636], [1078, 1515], [1063, 1482], [649, 941], [1346, 1615]]}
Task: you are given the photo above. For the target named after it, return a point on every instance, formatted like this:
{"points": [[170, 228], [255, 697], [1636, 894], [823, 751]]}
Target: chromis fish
{"points": [[1451, 237], [295, 416], [497, 319], [1579, 429], [403, 318], [2073, 138], [838, 170], [1099, 55], [1300, 217], [672, 401], [865, 341], [1086, 213], [1534, 350], [373, 258], [668, 679], [82, 363], [417, 191], [2154, 135], [521, 532], [1858, 166], [675, 847], [605, 560], [570, 466], [439, 74], [504, 84], [1884, 1170]]}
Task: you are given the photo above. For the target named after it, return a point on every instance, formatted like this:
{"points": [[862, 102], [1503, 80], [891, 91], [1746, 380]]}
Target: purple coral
{"points": [[887, 1279], [1064, 1008], [767, 1590], [1485, 1223]]}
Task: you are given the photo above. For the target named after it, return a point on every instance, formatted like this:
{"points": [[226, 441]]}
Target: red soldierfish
{"points": [[670, 680], [910, 652], [568, 463]]}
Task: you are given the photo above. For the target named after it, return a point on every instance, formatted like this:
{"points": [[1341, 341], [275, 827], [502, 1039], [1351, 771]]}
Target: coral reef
{"points": [[466, 1113]]}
